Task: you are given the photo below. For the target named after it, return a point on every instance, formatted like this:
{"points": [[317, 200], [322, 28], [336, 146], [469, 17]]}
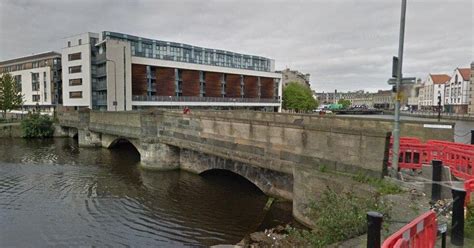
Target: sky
{"points": [[344, 44]]}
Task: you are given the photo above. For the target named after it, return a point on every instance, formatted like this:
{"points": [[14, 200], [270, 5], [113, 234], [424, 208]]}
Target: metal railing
{"points": [[202, 99]]}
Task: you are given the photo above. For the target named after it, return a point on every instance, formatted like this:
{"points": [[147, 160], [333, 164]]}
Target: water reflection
{"points": [[54, 194]]}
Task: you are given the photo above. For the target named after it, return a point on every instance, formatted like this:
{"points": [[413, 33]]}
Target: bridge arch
{"points": [[111, 142], [270, 182], [256, 183]]}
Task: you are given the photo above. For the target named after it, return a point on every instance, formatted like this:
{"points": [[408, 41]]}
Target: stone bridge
{"points": [[282, 154]]}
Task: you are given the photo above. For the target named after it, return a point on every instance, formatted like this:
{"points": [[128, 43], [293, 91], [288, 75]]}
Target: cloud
{"points": [[343, 44]]}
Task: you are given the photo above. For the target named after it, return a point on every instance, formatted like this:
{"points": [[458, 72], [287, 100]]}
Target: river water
{"points": [[53, 193]]}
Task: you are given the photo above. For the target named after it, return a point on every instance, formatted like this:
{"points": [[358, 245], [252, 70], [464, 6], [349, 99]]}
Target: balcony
{"points": [[202, 99], [100, 101], [101, 85]]}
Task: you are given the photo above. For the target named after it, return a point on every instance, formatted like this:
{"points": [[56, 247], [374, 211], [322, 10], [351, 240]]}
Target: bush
{"points": [[298, 97], [469, 224], [340, 216], [37, 126]]}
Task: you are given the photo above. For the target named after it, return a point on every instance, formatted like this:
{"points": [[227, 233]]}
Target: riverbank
{"points": [[404, 208], [13, 130], [10, 130]]}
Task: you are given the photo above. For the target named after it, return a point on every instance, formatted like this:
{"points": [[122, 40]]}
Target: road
{"points": [[462, 129]]}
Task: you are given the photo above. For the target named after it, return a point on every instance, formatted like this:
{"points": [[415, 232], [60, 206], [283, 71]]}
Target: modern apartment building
{"points": [[289, 76], [39, 78], [456, 98], [114, 71]]}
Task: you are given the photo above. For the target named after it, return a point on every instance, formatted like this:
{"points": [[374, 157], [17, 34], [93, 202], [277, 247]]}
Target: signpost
{"points": [[397, 80]]}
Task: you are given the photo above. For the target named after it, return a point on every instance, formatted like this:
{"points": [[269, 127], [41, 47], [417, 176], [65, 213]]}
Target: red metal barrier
{"points": [[420, 233], [413, 154], [460, 161], [469, 187]]}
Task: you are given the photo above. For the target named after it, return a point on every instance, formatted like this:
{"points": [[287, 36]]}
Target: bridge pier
{"points": [[159, 156], [88, 138]]}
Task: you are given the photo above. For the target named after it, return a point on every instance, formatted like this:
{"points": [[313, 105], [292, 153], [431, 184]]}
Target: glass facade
{"points": [[156, 49]]}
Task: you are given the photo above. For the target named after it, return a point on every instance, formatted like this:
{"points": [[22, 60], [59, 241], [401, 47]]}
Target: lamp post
{"points": [[115, 83], [396, 126]]}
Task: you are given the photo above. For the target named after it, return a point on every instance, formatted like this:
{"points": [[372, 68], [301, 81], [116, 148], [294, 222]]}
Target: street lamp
{"points": [[115, 83]]}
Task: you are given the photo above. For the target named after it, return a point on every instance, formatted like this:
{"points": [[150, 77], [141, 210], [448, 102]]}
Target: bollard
{"points": [[436, 178], [443, 228], [457, 223], [472, 137], [374, 227]]}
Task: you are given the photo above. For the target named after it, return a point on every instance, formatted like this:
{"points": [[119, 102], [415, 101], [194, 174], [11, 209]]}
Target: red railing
{"points": [[414, 153], [420, 233], [469, 187]]}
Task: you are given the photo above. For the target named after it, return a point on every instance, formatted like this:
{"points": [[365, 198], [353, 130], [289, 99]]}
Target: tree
{"points": [[345, 103], [298, 97], [10, 94]]}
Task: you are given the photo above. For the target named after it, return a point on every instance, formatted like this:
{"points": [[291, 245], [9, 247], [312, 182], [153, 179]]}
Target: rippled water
{"points": [[54, 194]]}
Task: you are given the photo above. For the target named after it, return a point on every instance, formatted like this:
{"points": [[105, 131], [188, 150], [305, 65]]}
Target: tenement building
{"points": [[293, 76], [38, 77], [457, 91], [433, 87], [471, 91], [114, 71]]}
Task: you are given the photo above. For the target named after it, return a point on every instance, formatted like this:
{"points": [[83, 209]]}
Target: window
{"points": [[36, 98], [75, 69], [35, 86], [76, 81], [34, 76], [17, 79], [45, 96], [35, 64], [74, 56], [80, 42], [68, 44], [75, 94]]}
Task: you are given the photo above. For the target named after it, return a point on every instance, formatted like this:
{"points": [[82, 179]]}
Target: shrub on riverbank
{"points": [[37, 126], [339, 216], [469, 225]]}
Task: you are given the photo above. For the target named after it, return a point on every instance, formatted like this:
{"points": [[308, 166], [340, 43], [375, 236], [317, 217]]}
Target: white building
{"points": [[39, 77], [432, 89], [114, 71], [456, 98], [77, 72]]}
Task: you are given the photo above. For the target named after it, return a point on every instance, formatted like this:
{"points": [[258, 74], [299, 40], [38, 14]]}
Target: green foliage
{"points": [[345, 103], [298, 97], [469, 224], [10, 94], [384, 187], [339, 216], [37, 126]]}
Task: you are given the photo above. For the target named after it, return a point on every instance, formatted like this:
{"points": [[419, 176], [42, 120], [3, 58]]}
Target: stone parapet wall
{"points": [[410, 128]]}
